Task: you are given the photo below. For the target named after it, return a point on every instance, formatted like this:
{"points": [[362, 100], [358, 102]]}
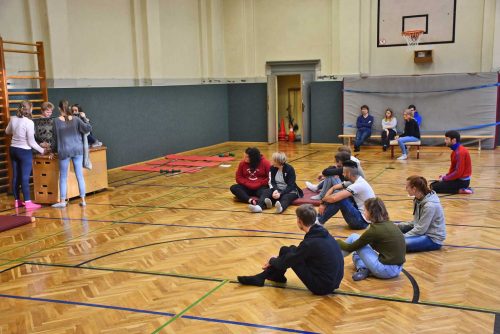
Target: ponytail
{"points": [[64, 109], [420, 183]]}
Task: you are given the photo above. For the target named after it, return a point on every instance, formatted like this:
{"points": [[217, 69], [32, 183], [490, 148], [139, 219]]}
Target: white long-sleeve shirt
{"points": [[22, 130], [389, 124]]}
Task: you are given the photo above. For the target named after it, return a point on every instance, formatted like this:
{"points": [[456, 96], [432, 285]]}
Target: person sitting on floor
{"points": [[380, 251], [458, 178], [317, 261], [427, 231], [329, 176], [282, 187], [364, 125], [411, 133], [349, 200], [252, 176]]}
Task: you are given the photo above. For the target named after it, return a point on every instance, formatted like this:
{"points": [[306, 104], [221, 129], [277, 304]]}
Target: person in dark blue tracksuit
{"points": [[364, 124], [317, 261]]}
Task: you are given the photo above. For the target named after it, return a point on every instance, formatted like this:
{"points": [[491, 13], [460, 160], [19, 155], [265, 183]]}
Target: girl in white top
{"points": [[22, 129], [389, 131]]}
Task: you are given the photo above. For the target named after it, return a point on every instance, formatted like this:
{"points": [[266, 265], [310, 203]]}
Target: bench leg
{"points": [[479, 145], [392, 151], [418, 152]]}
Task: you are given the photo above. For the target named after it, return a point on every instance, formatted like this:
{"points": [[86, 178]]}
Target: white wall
{"points": [[143, 42]]}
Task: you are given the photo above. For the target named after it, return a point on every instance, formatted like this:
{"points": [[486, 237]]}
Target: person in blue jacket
{"points": [[364, 124], [317, 261]]}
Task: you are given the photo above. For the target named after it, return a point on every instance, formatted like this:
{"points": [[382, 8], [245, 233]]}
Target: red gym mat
{"points": [[157, 162], [193, 163], [9, 222], [149, 168], [198, 157], [307, 198]]}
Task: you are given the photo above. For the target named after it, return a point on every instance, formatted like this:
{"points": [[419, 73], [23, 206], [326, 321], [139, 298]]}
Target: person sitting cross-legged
{"points": [[317, 261], [380, 251], [350, 200]]}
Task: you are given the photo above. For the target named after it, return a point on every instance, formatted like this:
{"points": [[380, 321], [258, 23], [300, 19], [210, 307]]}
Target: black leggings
{"points": [[243, 193], [285, 200], [449, 187], [386, 138]]}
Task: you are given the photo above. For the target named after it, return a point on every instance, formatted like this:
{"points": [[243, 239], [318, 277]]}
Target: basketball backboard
{"points": [[435, 17]]}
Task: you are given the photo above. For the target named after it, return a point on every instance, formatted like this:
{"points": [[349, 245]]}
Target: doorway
{"points": [[302, 71], [289, 107]]}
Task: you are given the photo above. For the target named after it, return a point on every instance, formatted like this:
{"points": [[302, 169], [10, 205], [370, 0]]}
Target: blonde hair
{"points": [[47, 105], [376, 208], [385, 114], [279, 157], [344, 148], [24, 109], [408, 112]]}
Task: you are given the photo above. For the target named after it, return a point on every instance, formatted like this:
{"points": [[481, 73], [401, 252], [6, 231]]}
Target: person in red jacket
{"points": [[458, 178], [252, 176]]}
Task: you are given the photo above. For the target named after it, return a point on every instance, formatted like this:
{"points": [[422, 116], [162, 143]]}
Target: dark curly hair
{"points": [[254, 157]]}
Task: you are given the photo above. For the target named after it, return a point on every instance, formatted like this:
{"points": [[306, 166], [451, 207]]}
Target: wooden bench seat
{"points": [[394, 143], [479, 138]]}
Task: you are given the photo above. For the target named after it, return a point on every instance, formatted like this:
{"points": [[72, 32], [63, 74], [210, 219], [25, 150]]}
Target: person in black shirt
{"points": [[411, 133], [317, 261]]}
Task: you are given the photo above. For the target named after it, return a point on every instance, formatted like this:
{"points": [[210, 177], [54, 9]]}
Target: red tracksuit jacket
{"points": [[461, 166]]}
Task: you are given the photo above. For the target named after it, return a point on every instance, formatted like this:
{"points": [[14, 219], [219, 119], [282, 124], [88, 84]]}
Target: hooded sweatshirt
{"points": [[253, 178], [321, 255], [428, 219]]}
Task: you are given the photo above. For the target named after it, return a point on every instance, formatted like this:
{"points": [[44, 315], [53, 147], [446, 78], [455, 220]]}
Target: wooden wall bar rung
{"points": [[19, 51], [23, 77], [34, 108], [19, 101], [25, 93], [18, 43]]}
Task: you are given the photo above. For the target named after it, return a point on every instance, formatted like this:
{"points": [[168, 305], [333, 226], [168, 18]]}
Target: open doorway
{"points": [[289, 107]]}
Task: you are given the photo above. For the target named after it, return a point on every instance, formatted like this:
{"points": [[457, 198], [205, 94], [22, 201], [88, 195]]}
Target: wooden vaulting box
{"points": [[46, 177]]}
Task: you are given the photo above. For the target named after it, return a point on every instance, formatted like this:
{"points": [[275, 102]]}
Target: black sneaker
{"points": [[360, 274], [251, 280], [356, 149], [384, 148]]}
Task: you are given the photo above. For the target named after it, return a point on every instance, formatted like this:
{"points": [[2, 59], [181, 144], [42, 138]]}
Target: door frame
{"points": [[308, 71]]}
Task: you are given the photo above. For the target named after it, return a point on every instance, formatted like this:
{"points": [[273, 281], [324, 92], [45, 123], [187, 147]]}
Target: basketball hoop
{"points": [[412, 38]]}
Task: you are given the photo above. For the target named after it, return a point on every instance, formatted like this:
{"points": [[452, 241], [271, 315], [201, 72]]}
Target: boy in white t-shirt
{"points": [[350, 200]]}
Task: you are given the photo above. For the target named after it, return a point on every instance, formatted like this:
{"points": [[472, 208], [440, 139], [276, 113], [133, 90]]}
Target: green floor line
{"points": [[178, 315]]}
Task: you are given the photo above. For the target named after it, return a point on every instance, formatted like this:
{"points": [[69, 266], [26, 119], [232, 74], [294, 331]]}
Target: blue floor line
{"points": [[168, 314]]}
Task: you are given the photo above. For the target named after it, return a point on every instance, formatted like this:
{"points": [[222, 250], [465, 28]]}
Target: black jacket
{"points": [[411, 129], [289, 176], [321, 255], [333, 171]]}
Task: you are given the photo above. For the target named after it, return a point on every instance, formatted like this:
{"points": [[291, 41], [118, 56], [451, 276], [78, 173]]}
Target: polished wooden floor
{"points": [[160, 253]]}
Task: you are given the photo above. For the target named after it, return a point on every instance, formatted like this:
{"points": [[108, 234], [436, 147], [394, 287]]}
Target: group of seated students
{"points": [[364, 124], [380, 251], [65, 135]]}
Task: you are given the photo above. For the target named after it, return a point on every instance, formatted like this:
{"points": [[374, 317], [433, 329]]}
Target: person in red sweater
{"points": [[458, 178], [252, 176]]}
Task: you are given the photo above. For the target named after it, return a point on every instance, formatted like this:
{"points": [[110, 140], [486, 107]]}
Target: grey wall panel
{"points": [[326, 111], [141, 123], [247, 112]]}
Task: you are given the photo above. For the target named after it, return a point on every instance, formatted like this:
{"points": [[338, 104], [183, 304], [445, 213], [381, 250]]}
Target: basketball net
{"points": [[412, 38]]}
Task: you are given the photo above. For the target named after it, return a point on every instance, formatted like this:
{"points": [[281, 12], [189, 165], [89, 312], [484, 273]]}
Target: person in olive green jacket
{"points": [[381, 250]]}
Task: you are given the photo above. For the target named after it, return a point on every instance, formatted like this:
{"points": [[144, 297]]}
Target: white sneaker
{"points": [[403, 157], [279, 208], [97, 144], [311, 186], [268, 202], [254, 208], [316, 197]]}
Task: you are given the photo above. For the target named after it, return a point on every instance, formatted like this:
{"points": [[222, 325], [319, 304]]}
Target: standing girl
{"points": [[22, 129], [69, 131]]}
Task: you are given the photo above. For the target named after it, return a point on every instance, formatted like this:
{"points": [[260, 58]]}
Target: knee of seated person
{"points": [[353, 237], [284, 250]]}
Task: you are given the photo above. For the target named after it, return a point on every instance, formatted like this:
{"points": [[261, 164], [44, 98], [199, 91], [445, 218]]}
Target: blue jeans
{"points": [[327, 183], [403, 140], [366, 257], [421, 243], [362, 135], [22, 163], [63, 175], [350, 212]]}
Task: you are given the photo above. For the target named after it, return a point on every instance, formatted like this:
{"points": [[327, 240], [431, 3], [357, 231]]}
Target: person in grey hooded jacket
{"points": [[427, 231]]}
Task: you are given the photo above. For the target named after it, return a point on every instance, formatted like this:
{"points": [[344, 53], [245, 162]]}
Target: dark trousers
{"points": [[386, 138], [449, 187], [243, 193], [362, 135], [285, 199], [22, 162], [315, 284]]}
